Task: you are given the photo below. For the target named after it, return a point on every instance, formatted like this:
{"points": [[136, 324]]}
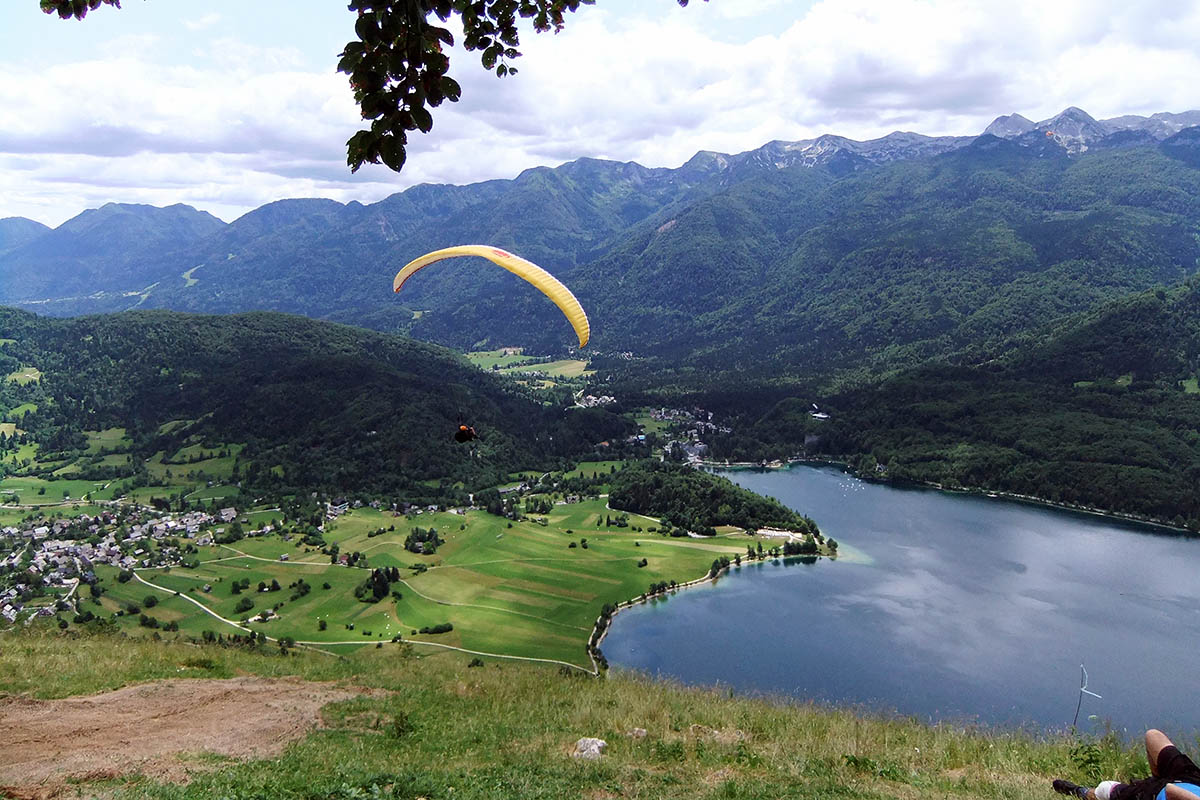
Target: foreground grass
{"points": [[444, 730]]}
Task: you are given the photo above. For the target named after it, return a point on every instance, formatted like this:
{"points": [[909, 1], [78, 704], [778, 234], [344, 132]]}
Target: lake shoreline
{"points": [[598, 634], [1121, 516]]}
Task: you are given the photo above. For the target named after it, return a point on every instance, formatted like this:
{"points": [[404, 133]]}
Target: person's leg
{"points": [[1179, 793], [1156, 740]]}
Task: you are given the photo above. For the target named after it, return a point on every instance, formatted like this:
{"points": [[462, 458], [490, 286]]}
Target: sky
{"points": [[226, 105]]}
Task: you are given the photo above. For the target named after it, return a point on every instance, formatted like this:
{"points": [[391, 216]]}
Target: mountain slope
{"points": [[117, 247], [1098, 409], [331, 406], [16, 231]]}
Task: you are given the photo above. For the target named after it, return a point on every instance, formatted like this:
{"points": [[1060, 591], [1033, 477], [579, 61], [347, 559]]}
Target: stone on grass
{"points": [[589, 748]]}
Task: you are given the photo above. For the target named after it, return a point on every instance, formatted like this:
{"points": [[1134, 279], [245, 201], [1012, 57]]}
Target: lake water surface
{"points": [[945, 607]]}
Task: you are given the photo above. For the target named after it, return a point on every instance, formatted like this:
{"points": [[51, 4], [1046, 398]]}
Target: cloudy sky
{"points": [[226, 104]]}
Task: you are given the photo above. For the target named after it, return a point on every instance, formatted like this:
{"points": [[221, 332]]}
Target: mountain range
{"points": [[823, 253]]}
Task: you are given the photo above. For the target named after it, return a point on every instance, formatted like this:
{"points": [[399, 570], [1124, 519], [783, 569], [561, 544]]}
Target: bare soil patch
{"points": [[143, 729]]}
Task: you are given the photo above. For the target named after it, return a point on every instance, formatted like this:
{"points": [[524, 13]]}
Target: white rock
{"points": [[589, 748]]}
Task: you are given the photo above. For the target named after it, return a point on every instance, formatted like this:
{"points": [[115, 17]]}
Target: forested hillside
{"points": [[691, 500], [1098, 409], [317, 405]]}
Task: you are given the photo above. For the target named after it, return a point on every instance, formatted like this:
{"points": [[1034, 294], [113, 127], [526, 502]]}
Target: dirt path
{"points": [[145, 728]]}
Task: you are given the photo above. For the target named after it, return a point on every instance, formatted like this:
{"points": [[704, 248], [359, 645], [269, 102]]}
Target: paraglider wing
{"points": [[549, 285]]}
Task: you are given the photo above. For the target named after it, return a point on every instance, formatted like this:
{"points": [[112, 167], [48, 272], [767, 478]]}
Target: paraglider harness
{"points": [[465, 433]]}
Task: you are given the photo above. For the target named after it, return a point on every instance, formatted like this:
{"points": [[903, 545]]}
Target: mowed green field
{"points": [[21, 410], [111, 448], [587, 468], [27, 489], [486, 359], [112, 439], [564, 368], [517, 591], [25, 375]]}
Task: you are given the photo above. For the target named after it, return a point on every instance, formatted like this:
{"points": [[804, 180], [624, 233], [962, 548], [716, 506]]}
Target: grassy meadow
{"points": [[513, 589], [25, 375], [432, 727], [189, 470]]}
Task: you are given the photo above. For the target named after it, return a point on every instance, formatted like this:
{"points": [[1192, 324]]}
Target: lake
{"points": [[944, 606]]}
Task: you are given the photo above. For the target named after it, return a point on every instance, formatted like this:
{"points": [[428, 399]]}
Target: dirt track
{"points": [[143, 728]]}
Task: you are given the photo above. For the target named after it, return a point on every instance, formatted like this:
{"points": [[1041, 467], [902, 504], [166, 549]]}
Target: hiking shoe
{"points": [[1066, 787]]}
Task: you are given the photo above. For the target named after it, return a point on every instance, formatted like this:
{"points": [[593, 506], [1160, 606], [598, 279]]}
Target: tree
{"points": [[398, 70]]}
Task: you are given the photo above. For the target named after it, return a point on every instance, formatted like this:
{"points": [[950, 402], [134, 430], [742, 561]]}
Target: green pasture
{"points": [[649, 424], [202, 453], [586, 468], [27, 488], [25, 451], [510, 588], [564, 368], [1191, 386], [487, 359], [108, 439], [21, 410], [217, 492], [211, 468], [268, 516], [25, 375], [11, 516], [173, 425], [14, 516]]}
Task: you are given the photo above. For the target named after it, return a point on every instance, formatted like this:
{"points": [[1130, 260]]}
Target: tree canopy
{"points": [[397, 67]]}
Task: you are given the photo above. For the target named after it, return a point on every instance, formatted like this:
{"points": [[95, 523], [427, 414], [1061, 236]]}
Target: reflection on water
{"points": [[944, 606]]}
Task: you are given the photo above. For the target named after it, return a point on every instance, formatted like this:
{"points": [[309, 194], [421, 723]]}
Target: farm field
{"points": [[205, 479], [564, 368], [25, 375], [55, 492], [21, 410], [502, 358], [507, 588], [649, 424], [110, 439], [587, 468]]}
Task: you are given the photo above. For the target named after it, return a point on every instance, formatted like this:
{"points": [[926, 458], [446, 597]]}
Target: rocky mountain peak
{"points": [[1008, 126]]}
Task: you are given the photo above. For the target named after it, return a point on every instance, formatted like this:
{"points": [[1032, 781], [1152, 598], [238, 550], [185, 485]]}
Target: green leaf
{"points": [[423, 119]]}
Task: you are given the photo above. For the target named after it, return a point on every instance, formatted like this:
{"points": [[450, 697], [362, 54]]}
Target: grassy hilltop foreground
{"points": [[408, 725]]}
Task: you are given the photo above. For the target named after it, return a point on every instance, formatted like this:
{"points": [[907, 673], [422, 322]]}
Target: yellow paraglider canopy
{"points": [[544, 281]]}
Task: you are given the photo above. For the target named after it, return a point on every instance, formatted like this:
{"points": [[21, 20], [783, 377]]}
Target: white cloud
{"points": [[232, 123], [200, 23]]}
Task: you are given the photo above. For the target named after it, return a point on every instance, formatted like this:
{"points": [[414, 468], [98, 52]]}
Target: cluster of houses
{"points": [[60, 554]]}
